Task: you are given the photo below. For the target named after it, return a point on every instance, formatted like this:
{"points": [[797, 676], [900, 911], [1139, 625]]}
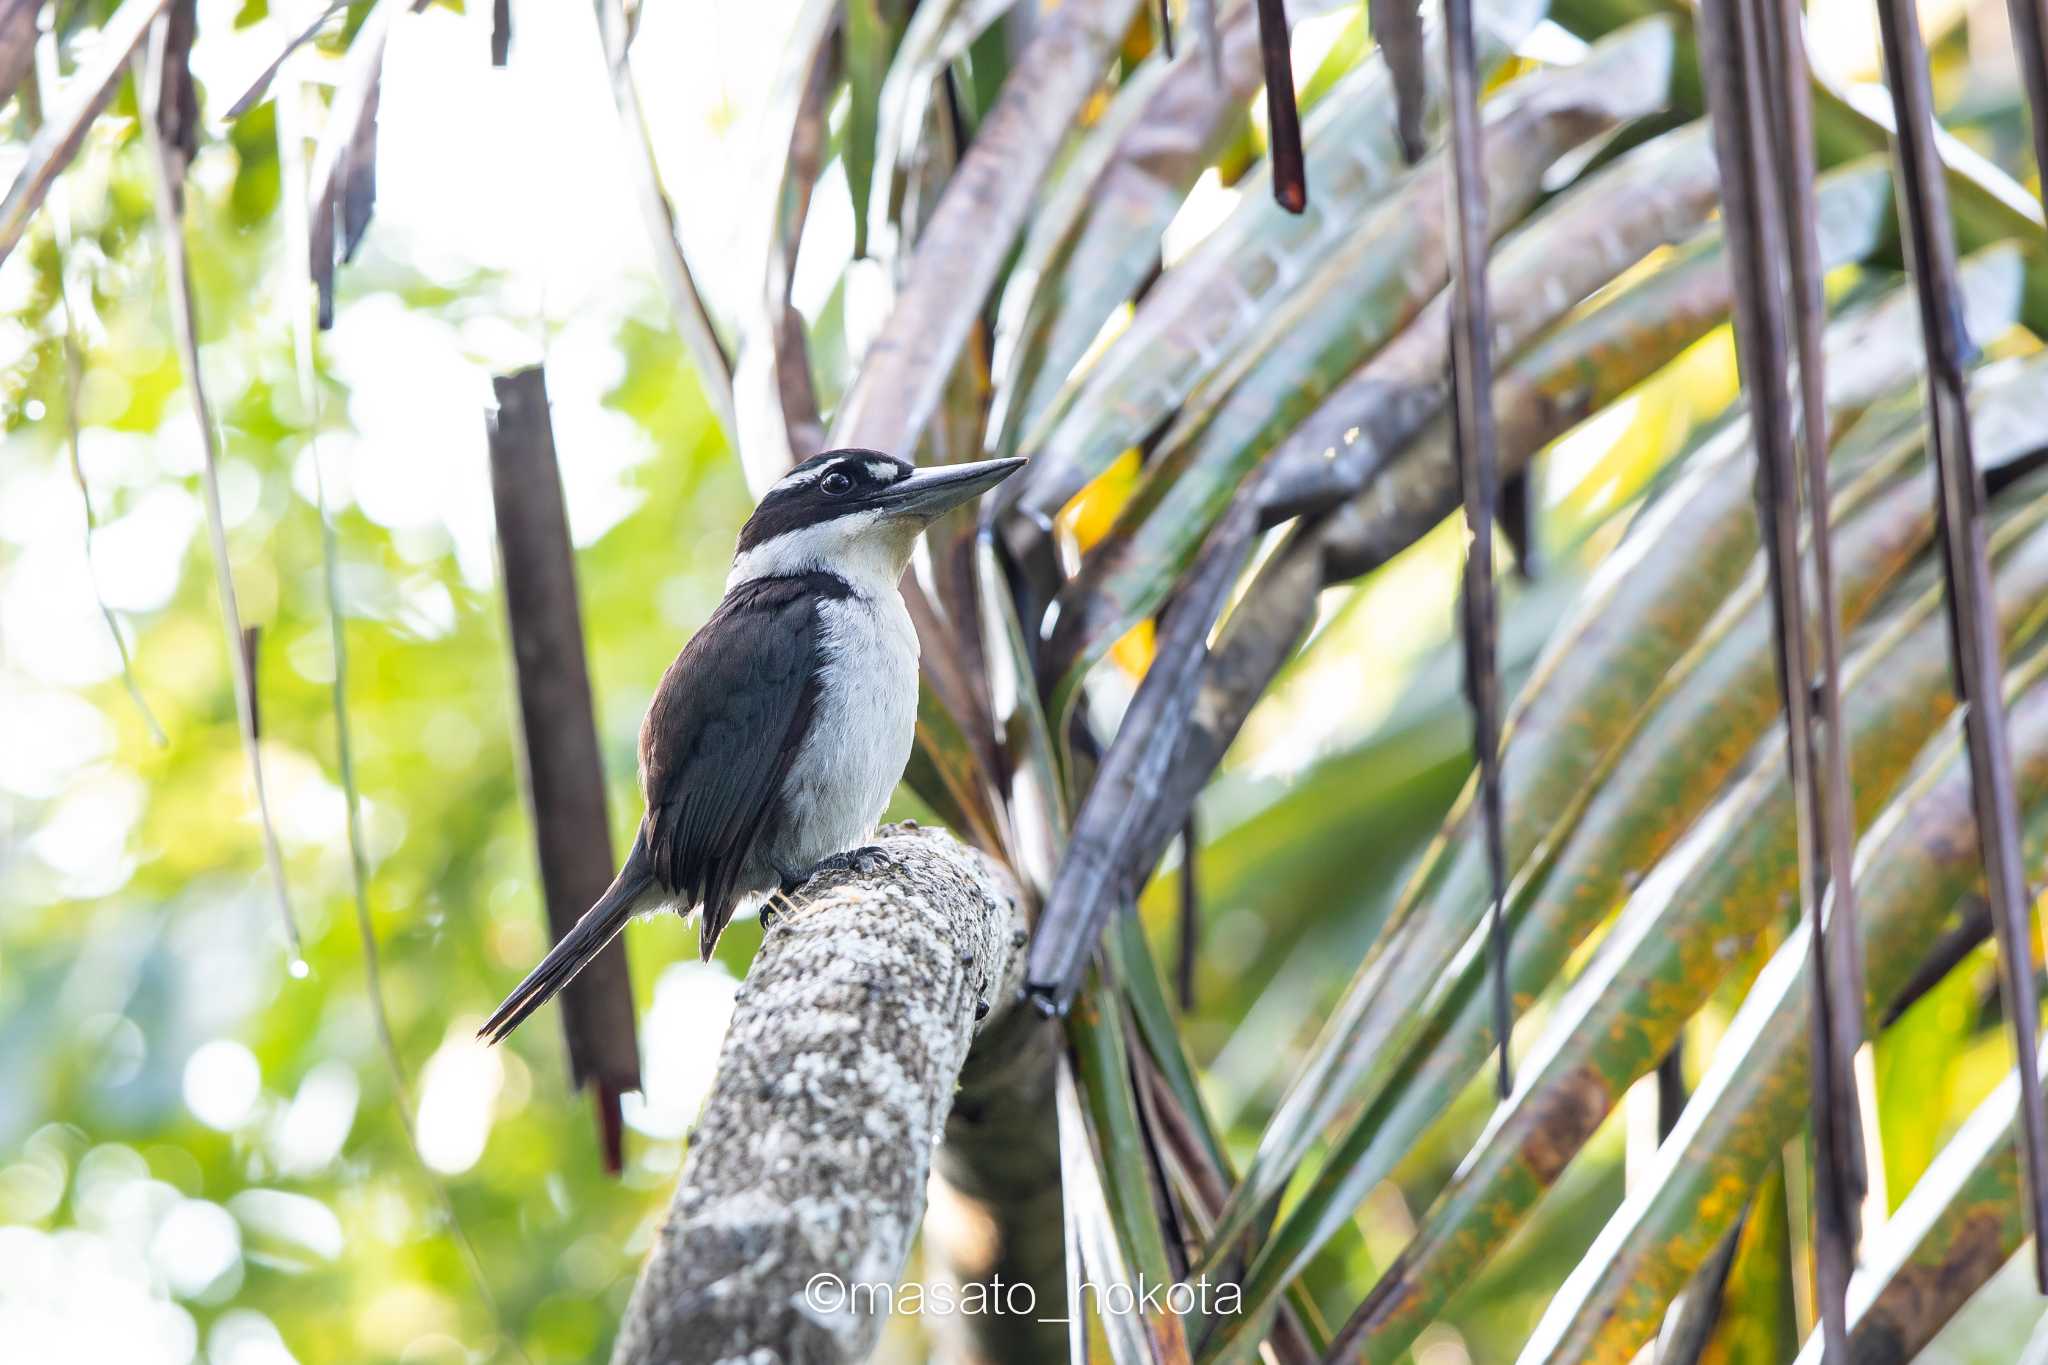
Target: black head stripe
{"points": [[800, 498]]}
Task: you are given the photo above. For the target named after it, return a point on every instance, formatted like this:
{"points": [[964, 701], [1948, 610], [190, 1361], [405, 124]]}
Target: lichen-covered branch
{"points": [[812, 1153]]}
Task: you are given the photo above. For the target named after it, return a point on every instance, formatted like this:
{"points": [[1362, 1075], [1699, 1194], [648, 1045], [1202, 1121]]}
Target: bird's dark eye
{"points": [[836, 484]]}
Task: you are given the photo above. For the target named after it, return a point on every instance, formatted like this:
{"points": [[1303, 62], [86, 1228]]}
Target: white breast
{"points": [[861, 729]]}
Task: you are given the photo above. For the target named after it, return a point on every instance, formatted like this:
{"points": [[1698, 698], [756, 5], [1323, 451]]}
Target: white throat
{"points": [[870, 550]]}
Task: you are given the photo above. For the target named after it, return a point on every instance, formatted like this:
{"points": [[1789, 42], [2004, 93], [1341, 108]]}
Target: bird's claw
{"points": [[864, 861]]}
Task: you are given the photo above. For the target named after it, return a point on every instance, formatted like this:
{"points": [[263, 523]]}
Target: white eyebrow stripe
{"points": [[797, 478], [884, 471]]}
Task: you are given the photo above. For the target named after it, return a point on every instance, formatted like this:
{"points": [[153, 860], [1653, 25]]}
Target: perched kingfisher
{"points": [[778, 734]]}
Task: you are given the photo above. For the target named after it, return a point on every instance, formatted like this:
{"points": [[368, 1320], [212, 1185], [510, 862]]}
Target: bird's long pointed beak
{"points": [[929, 493]]}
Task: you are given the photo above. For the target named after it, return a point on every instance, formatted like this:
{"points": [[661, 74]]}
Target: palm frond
{"points": [[1913, 867]]}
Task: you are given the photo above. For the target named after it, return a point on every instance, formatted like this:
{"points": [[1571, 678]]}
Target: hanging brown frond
{"points": [[1472, 449], [1283, 115], [344, 175], [1519, 522], [1973, 632], [1397, 28], [1750, 70], [64, 126], [177, 101], [564, 770]]}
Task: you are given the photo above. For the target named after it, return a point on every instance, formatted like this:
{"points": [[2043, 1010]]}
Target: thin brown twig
{"points": [[1746, 71], [1190, 913], [1173, 1232], [1841, 1178], [306, 368], [1791, 85], [1973, 633], [169, 169], [1473, 451]]}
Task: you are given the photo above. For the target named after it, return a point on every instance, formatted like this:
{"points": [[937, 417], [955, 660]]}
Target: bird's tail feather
{"points": [[599, 925]]}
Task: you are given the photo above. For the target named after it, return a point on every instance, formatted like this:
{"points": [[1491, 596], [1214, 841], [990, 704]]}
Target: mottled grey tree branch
{"points": [[812, 1153]]}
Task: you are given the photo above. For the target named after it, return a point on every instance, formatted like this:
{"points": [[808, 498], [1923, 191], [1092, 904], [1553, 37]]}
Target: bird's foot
{"points": [[769, 914], [865, 860]]}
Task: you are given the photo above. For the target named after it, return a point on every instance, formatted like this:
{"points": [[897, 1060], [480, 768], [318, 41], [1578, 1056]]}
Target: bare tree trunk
{"points": [[807, 1170]]}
